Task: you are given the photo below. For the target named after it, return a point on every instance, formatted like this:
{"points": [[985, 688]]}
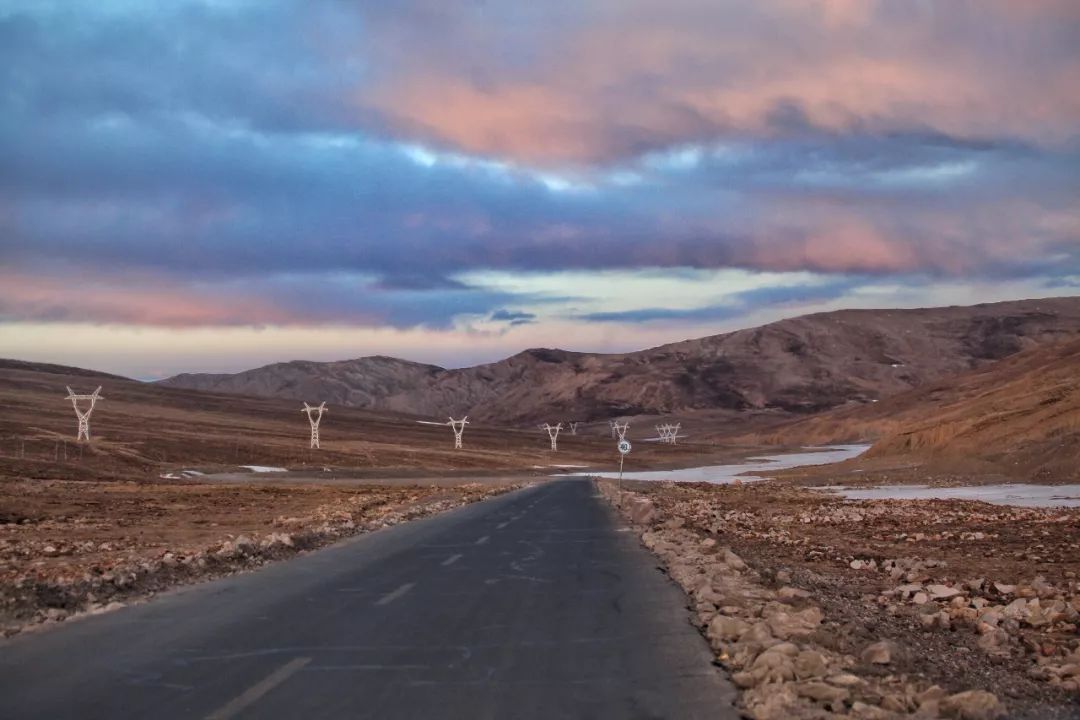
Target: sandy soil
{"points": [[967, 596], [72, 547]]}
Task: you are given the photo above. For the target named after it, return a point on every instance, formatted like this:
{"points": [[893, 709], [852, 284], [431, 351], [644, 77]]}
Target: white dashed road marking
{"points": [[391, 597], [483, 540], [451, 560], [256, 691]]}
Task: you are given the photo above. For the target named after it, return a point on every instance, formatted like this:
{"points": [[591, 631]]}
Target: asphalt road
{"points": [[535, 604]]}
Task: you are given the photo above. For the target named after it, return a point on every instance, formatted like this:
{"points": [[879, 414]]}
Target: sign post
{"points": [[624, 450]]}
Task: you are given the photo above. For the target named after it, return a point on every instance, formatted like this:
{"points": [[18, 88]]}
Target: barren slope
{"points": [[804, 364], [1020, 416], [141, 430]]}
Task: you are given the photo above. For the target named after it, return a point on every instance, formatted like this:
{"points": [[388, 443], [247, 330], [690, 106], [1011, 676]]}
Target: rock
{"points": [[810, 664], [1016, 610], [845, 680], [783, 576], [908, 590], [920, 598], [1004, 589], [868, 712], [879, 653], [785, 625], [50, 550], [733, 561], [642, 511], [942, 592], [932, 693], [726, 629], [972, 705], [708, 543], [790, 593], [822, 692], [772, 666], [856, 564]]}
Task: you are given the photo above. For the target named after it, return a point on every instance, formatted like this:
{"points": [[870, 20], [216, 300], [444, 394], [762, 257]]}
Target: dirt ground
{"points": [[968, 596], [70, 547], [141, 432]]}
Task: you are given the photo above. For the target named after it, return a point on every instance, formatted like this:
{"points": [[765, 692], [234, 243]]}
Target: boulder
{"points": [[810, 664], [942, 592], [786, 625], [879, 653], [726, 629], [972, 705]]}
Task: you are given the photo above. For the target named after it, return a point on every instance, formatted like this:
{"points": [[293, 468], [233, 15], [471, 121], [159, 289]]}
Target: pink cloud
{"points": [[637, 73], [99, 299]]}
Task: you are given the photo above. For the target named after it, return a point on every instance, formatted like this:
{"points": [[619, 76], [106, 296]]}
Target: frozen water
{"points": [[1019, 494], [723, 474]]}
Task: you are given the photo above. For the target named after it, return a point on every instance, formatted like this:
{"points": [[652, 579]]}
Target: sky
{"points": [[212, 185]]}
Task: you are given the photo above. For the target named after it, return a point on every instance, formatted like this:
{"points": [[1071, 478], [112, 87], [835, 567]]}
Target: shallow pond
{"points": [[1019, 494], [723, 474]]}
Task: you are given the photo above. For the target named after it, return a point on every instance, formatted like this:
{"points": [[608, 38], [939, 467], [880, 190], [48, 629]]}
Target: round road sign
{"points": [[624, 446]]}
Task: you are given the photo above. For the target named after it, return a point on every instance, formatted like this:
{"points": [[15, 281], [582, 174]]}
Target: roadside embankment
{"points": [[821, 607]]}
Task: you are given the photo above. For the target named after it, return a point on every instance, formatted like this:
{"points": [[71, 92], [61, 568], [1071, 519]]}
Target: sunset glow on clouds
{"points": [[211, 185]]}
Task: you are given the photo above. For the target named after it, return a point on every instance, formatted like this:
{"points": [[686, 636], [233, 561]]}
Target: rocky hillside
{"points": [[805, 364], [1021, 415]]}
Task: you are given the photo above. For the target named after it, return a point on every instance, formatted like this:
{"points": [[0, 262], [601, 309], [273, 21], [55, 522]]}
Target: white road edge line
{"points": [[451, 560], [483, 540], [256, 691], [391, 597]]}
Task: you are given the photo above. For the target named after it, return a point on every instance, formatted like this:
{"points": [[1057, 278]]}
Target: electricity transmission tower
{"points": [[84, 416], [458, 426], [314, 420], [573, 426], [668, 433], [620, 429], [553, 433]]}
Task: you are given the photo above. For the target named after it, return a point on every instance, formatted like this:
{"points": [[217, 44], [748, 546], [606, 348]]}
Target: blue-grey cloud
{"points": [[735, 305], [226, 146], [513, 317]]}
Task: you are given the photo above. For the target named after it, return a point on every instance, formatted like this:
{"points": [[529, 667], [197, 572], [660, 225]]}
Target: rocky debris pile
{"points": [[1015, 615], [780, 646], [99, 577], [1033, 619]]}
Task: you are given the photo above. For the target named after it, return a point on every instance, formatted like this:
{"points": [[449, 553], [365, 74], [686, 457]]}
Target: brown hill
{"points": [[1020, 416], [804, 364]]}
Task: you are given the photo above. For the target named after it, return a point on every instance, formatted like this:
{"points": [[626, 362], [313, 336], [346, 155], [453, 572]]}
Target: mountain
{"points": [[1021, 416], [805, 364]]}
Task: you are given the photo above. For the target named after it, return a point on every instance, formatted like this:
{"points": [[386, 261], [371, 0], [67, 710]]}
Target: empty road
{"points": [[534, 604]]}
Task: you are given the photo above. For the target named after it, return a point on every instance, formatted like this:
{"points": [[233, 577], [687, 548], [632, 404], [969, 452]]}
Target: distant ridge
{"points": [[53, 369], [799, 365]]}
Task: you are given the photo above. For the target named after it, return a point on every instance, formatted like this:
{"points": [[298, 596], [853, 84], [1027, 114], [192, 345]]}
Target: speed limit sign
{"points": [[624, 446]]}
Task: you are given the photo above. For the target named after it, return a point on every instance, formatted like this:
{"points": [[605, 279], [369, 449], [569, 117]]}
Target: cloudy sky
{"points": [[217, 184]]}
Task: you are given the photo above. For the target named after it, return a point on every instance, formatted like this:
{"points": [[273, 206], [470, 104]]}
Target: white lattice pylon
{"points": [[553, 433], [573, 426], [458, 426], [673, 432], [314, 420], [84, 416], [620, 429], [614, 424]]}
